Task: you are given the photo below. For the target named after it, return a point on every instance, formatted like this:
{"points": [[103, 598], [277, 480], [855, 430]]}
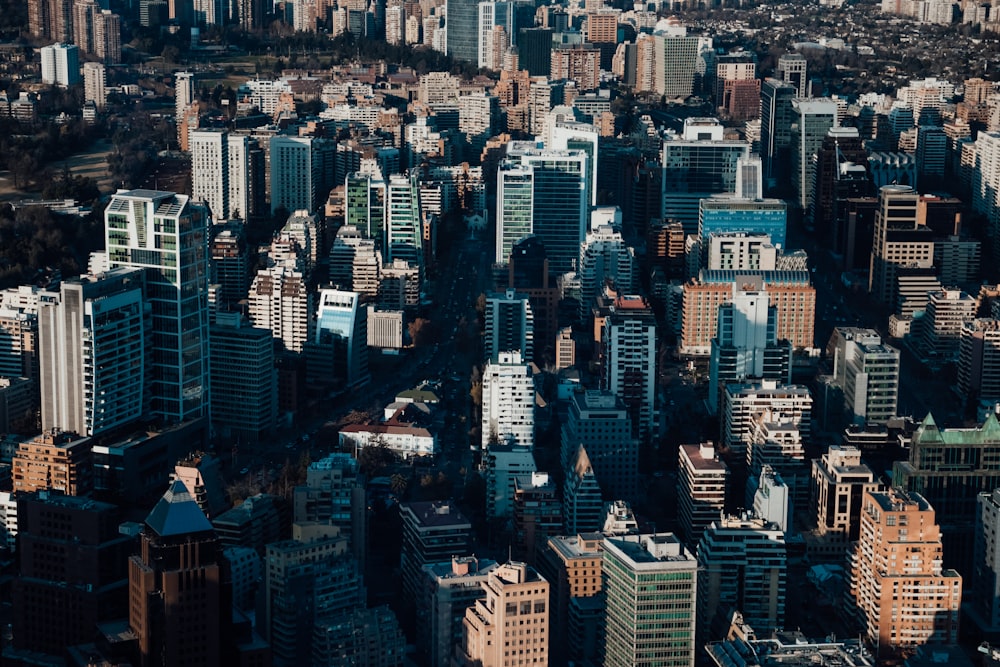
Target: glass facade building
{"points": [[720, 215]]}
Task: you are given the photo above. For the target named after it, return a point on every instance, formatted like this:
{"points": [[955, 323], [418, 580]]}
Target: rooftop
{"points": [[177, 513]]}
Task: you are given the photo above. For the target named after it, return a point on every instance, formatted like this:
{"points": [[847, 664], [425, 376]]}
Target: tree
{"points": [[375, 456], [398, 484]]}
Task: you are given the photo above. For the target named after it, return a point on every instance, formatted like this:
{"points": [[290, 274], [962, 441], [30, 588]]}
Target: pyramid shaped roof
{"points": [[177, 513]]}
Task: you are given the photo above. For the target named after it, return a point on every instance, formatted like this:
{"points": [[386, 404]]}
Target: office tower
{"points": [[515, 205], [841, 162], [812, 120], [792, 70], [342, 335], [281, 302], [433, 532], [984, 588], [403, 220], [503, 462], [513, 591], [720, 215], [942, 460], [448, 589], [839, 481], [385, 329], [698, 163], [746, 344], [702, 483], [334, 494], [508, 406], [572, 566], [867, 370], [743, 403], [510, 325], [935, 334], [60, 64], [741, 567], [637, 570], [667, 64], [309, 581], [979, 359], [92, 349], [776, 117], [462, 25], [583, 509], [243, 382], [253, 524], [537, 514], [605, 259], [56, 461], [901, 240], [225, 173], [534, 48], [94, 84], [301, 174], [629, 368], [167, 235], [566, 135], [559, 218], [230, 261], [399, 286], [355, 262], [599, 421], [986, 185], [366, 205], [72, 571], [924, 597], [179, 598]]}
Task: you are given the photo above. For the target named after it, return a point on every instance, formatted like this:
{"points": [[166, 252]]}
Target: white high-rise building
{"points": [[95, 84], [701, 493], [342, 322], [168, 235], [183, 93], [629, 369], [986, 184], [743, 403], [93, 357], [508, 401], [60, 64], [868, 372], [301, 172], [280, 301], [605, 257], [395, 24]]}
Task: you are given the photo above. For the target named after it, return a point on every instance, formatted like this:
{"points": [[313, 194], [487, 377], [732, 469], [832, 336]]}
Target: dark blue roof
{"points": [[177, 513]]}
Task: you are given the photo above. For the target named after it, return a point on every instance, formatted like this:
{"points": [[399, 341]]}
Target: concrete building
{"points": [[334, 494], [572, 566], [510, 325], [867, 370], [702, 482], [93, 360], [792, 649], [230, 261], [839, 481], [60, 64], [739, 251], [433, 532], [513, 590], [925, 597], [168, 235], [628, 348], [242, 379], [742, 404], [95, 84], [742, 567], [583, 509], [639, 569], [901, 240], [537, 513], [508, 407], [979, 359], [599, 421], [504, 462], [301, 176], [227, 173], [281, 302], [342, 335], [449, 589], [792, 69], [385, 329], [177, 622], [936, 333], [771, 499], [53, 461]]}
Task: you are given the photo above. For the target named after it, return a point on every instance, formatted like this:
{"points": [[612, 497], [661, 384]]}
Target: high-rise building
{"points": [[95, 84], [433, 532], [792, 70], [448, 589], [167, 234], [909, 600], [243, 380], [226, 172], [92, 344], [280, 301], [723, 215], [979, 359], [942, 460], [867, 370], [534, 47], [72, 571], [572, 566], [599, 421], [579, 63], [702, 482], [629, 366], [638, 570], [935, 334], [559, 218], [812, 119], [230, 261], [742, 404], [742, 567], [60, 64], [301, 173], [902, 240], [462, 26], [984, 582], [510, 325], [334, 494], [776, 117], [403, 220], [53, 461], [746, 343], [513, 591], [537, 514], [839, 481], [342, 332], [184, 98], [503, 463], [698, 163], [179, 597], [508, 401], [605, 259], [515, 206], [583, 508]]}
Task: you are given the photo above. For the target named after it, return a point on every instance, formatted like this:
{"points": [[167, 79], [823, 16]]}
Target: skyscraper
{"points": [[776, 116], [867, 370], [94, 84], [404, 220], [301, 172], [839, 482], [462, 26], [342, 327], [508, 401], [280, 300], [60, 64], [813, 118], [226, 172], [93, 342], [243, 379], [510, 325], [638, 572], [792, 70], [629, 368], [599, 421], [167, 234], [515, 205], [902, 240], [179, 598], [701, 494]]}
